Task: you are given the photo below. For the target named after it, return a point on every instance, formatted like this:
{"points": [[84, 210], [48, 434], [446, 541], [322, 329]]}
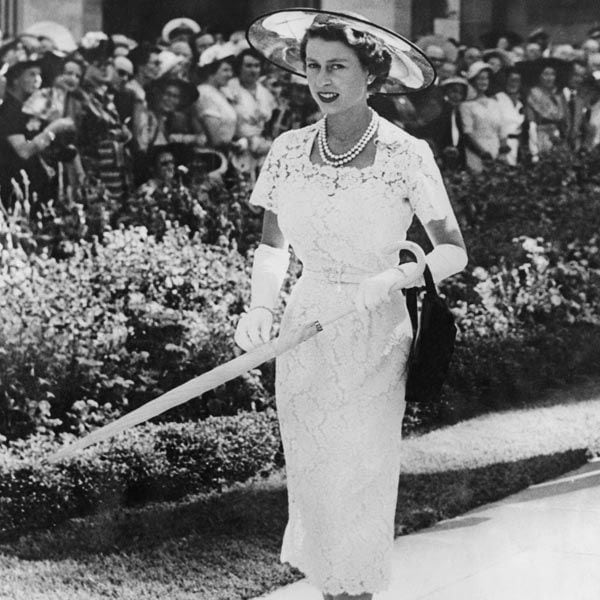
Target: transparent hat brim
{"points": [[278, 35]]}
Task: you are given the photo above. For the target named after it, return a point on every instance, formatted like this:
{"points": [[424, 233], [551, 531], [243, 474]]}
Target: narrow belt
{"points": [[338, 274]]}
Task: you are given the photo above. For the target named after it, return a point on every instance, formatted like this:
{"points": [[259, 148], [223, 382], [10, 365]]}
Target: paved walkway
{"points": [[540, 544]]}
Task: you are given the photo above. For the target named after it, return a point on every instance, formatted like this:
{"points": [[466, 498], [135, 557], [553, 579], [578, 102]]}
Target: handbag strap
{"points": [[411, 300]]}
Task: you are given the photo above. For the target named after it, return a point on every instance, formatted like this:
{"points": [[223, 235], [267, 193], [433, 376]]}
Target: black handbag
{"points": [[434, 335]]}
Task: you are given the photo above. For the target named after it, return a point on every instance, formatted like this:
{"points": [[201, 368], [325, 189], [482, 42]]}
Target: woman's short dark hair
{"points": [[211, 68], [239, 59], [371, 53], [75, 59]]}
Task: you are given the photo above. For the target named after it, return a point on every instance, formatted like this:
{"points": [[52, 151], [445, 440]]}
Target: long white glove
{"points": [[443, 261], [268, 272]]}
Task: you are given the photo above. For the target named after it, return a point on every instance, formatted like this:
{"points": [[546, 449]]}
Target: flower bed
{"points": [[112, 324]]}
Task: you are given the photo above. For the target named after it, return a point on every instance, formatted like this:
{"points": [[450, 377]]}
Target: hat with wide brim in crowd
{"points": [[461, 81], [476, 68], [278, 36], [17, 69], [504, 57], [96, 47], [58, 34], [213, 161], [180, 24], [189, 92], [450, 49], [539, 33], [531, 70], [218, 53]]}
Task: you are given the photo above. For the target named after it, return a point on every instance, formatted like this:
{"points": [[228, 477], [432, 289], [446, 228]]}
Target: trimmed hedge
{"points": [[151, 462]]}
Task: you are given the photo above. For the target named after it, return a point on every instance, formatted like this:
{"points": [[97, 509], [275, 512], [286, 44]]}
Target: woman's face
{"points": [[336, 78], [165, 166], [495, 63], [455, 93], [72, 74], [548, 78], [183, 49], [101, 72], [481, 83], [203, 42], [170, 99], [513, 83], [223, 75]]}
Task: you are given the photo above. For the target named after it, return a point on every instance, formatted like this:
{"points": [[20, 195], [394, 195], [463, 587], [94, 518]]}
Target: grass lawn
{"points": [[226, 546]]}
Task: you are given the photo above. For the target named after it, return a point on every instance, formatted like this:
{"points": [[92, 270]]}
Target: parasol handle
{"points": [[418, 253]]}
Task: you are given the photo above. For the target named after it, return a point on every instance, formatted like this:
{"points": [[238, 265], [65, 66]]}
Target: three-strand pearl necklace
{"points": [[337, 160]]}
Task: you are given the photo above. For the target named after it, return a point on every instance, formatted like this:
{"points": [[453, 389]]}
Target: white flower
{"points": [[480, 273], [530, 245], [92, 39]]}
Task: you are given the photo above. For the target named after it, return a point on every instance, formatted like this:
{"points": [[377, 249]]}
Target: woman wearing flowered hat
{"points": [[343, 192]]}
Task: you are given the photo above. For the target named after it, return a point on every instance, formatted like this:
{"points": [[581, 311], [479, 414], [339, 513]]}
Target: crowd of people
{"points": [[197, 104], [137, 116], [512, 101]]}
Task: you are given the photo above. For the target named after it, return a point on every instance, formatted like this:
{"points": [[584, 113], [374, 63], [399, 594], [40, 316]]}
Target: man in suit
{"points": [[445, 133], [578, 99]]}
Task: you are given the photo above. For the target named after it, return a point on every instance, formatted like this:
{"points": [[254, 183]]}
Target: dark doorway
{"points": [[423, 14], [144, 19]]}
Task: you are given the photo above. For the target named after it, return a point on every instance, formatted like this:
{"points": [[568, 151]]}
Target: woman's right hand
{"points": [[254, 328]]}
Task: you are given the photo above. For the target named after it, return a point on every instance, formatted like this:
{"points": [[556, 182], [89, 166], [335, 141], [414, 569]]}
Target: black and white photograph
{"points": [[299, 300]]}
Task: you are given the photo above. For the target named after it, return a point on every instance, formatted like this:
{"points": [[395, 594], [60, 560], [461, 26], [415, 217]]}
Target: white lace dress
{"points": [[340, 395]]}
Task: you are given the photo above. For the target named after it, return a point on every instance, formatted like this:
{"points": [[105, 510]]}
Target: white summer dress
{"points": [[340, 395]]}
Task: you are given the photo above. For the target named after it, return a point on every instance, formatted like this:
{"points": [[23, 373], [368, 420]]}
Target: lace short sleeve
{"points": [[426, 190], [265, 189]]}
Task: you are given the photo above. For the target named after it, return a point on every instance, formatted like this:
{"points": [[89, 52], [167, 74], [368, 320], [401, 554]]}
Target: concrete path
{"points": [[540, 544]]}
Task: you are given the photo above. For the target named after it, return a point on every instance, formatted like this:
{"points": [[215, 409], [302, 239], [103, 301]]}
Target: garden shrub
{"points": [[114, 325], [150, 462], [109, 324]]}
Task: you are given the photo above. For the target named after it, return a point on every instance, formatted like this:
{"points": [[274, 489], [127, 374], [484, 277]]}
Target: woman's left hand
{"points": [[375, 291]]}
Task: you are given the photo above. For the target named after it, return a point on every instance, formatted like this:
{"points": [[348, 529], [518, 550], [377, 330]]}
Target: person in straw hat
{"points": [[482, 120], [343, 192]]}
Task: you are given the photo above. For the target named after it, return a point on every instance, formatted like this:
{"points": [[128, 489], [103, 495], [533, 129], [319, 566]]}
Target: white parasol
{"points": [[221, 374]]}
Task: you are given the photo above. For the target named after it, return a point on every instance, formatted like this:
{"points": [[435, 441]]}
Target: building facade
{"points": [[467, 20]]}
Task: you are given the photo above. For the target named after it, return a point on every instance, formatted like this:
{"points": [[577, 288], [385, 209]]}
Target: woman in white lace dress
{"points": [[343, 192]]}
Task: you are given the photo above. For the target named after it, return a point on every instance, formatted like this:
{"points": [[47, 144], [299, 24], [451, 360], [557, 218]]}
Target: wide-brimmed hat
{"points": [[456, 81], [538, 33], [96, 46], [179, 24], [217, 53], [278, 36], [189, 92], [58, 34], [477, 67], [532, 69], [450, 49], [504, 57], [15, 70], [468, 92], [214, 162], [120, 39]]}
